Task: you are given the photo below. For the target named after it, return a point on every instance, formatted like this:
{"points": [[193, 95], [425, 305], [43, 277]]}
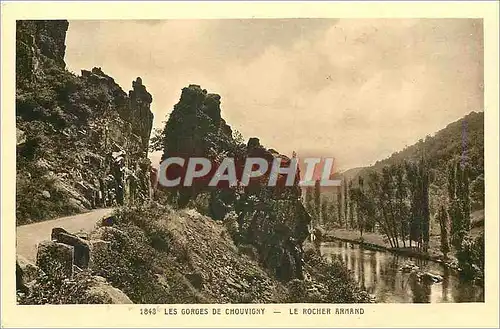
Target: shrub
{"points": [[143, 260], [297, 292], [470, 257], [62, 291], [128, 264], [336, 281]]}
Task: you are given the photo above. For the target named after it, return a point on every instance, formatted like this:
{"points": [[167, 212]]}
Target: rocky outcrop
{"points": [[419, 274], [39, 45], [26, 273], [140, 114], [81, 250], [101, 289], [272, 219], [55, 259], [82, 139], [186, 257], [183, 256], [63, 273]]}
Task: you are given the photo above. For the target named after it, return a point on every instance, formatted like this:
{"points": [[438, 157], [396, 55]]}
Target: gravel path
{"points": [[28, 236]]}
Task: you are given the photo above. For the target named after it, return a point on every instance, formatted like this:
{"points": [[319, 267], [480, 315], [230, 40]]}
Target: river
{"points": [[378, 273]]}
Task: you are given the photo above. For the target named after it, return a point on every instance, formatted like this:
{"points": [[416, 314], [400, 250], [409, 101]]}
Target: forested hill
{"points": [[460, 140]]}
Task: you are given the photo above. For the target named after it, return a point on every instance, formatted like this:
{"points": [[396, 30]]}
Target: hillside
{"points": [[158, 255], [348, 174], [82, 141], [462, 139]]}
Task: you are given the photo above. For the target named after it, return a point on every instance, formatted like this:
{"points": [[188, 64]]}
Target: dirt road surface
{"points": [[29, 236]]}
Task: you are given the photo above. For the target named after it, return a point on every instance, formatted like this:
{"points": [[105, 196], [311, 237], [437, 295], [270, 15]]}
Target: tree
{"points": [[378, 192], [397, 201], [317, 199], [156, 141], [364, 207], [308, 197], [459, 206], [346, 202], [361, 206], [387, 199], [351, 203], [324, 211], [424, 180], [477, 192], [332, 211], [238, 137], [469, 252], [402, 210], [339, 206], [418, 178], [309, 201], [442, 217]]}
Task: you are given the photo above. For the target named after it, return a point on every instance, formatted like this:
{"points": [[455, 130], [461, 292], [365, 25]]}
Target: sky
{"points": [[353, 89]]}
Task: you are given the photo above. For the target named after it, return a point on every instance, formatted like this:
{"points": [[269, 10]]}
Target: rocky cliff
{"points": [[82, 141], [270, 218]]}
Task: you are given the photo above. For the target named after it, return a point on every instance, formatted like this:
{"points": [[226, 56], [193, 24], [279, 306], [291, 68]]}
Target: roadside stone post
{"points": [[55, 259]]}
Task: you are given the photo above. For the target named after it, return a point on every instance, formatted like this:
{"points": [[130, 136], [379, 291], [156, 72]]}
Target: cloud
{"points": [[355, 89]]}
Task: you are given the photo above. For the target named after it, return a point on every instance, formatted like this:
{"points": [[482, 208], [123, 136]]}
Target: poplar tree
{"points": [[351, 203], [332, 211], [317, 199], [459, 202], [361, 206], [442, 217], [339, 206], [346, 205], [309, 199], [324, 211]]}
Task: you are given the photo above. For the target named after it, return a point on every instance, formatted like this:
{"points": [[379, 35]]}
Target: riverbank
{"points": [[376, 242], [392, 278]]}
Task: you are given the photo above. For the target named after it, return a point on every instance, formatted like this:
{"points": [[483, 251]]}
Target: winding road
{"points": [[30, 235]]}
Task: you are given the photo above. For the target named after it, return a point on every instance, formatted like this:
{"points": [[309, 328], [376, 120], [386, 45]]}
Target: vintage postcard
{"points": [[200, 164]]}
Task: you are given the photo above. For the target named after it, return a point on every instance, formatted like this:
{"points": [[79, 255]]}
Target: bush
{"points": [[297, 291], [143, 260], [63, 291], [470, 258], [201, 203], [128, 264], [335, 280]]}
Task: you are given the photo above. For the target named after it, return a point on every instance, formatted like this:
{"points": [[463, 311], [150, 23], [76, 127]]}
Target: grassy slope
{"points": [[180, 256], [158, 255]]}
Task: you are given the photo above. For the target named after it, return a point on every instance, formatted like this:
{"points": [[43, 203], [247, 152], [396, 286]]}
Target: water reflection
{"points": [[378, 273]]}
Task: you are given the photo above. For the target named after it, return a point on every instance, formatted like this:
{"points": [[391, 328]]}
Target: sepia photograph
{"points": [[249, 164], [241, 161]]}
